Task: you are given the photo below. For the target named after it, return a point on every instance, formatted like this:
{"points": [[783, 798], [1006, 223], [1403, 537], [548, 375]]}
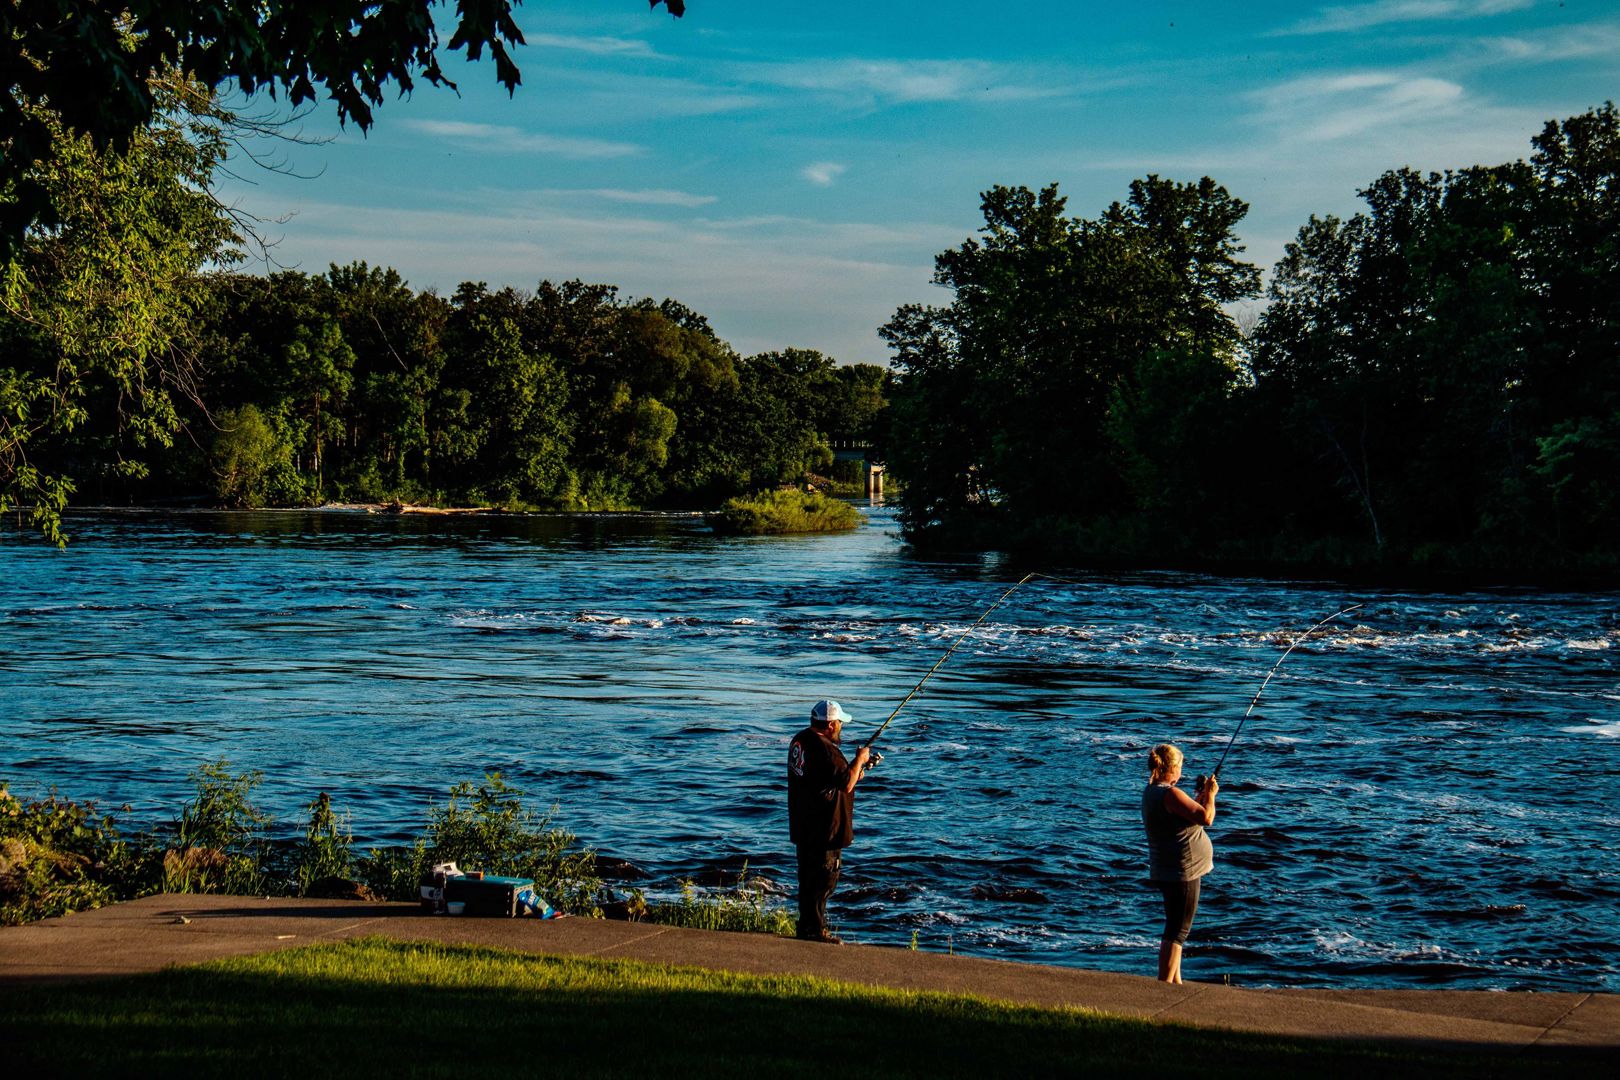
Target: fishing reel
{"points": [[872, 761]]}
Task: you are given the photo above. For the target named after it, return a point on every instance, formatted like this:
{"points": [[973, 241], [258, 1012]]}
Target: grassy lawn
{"points": [[379, 1007]]}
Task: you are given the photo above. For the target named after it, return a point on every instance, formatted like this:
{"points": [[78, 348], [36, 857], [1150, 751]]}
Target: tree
{"points": [[94, 310], [1002, 398], [513, 428], [1445, 359], [251, 465], [86, 68], [319, 366], [396, 335]]}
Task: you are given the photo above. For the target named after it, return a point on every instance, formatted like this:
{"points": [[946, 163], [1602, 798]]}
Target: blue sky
{"points": [[790, 170]]}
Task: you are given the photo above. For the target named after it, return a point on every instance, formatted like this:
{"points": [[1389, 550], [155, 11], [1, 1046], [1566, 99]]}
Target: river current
{"points": [[1428, 793]]}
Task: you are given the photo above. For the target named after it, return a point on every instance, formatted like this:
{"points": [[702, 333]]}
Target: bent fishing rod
{"points": [[1274, 669], [867, 745]]}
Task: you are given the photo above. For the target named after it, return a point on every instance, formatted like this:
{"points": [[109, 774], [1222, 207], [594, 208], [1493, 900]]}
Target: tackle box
{"points": [[486, 895]]}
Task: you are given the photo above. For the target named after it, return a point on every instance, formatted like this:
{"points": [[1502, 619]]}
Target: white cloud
{"points": [[655, 197], [1563, 43], [896, 81], [499, 139], [646, 196], [1327, 108], [1351, 17], [597, 46], [824, 173]]}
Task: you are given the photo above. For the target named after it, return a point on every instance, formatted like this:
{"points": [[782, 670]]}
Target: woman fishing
{"points": [[1179, 851]]}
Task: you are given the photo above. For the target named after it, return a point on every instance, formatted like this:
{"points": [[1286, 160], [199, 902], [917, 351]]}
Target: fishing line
{"points": [[1274, 668]]}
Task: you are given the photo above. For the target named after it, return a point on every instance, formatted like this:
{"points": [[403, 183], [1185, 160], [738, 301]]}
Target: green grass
{"points": [[374, 1007], [786, 511]]}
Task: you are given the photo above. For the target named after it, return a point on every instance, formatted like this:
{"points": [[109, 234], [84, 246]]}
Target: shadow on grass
{"points": [[374, 1007]]}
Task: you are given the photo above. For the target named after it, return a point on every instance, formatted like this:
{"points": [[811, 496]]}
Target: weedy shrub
{"points": [[327, 849], [787, 511], [744, 907], [219, 839], [56, 856], [487, 827]]}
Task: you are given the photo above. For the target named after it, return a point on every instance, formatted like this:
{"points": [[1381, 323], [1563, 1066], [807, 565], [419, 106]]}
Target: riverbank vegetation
{"points": [[370, 1007], [1432, 385], [783, 511], [59, 856]]}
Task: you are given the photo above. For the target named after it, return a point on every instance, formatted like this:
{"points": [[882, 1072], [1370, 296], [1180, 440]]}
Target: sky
{"points": [[790, 170]]}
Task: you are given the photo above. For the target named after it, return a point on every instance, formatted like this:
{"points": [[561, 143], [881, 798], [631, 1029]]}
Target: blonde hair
{"points": [[1162, 761]]}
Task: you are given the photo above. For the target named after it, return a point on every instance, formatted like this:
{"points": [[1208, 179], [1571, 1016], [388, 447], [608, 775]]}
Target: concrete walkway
{"points": [[149, 934]]}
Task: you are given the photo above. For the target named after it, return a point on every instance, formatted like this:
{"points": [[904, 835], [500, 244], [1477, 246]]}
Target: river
{"points": [[1428, 794]]}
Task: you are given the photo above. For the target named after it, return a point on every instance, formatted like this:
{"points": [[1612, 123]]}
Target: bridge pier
{"points": [[874, 481]]}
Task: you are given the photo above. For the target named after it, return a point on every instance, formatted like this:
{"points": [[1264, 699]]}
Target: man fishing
{"points": [[821, 812]]}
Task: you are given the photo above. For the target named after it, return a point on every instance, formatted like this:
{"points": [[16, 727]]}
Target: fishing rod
{"points": [[1274, 669], [867, 745]]}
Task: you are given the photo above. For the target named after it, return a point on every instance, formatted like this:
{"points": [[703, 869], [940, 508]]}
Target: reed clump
{"points": [[744, 907]]}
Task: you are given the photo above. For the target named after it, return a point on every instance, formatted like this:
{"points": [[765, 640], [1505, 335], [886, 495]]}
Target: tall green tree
{"points": [[1002, 398], [514, 432], [95, 307]]}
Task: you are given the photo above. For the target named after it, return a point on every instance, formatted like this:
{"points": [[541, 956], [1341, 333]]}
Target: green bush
{"points": [[220, 843], [487, 827], [785, 511], [55, 857], [742, 908]]}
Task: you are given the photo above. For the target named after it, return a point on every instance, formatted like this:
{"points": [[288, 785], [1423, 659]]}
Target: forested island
{"points": [[1431, 386]]}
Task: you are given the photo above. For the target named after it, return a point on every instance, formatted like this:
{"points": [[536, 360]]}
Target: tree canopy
{"points": [[94, 311], [86, 67], [1432, 386]]}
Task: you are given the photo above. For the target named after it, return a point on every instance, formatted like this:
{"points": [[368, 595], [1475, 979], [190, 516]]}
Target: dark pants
{"points": [[818, 876]]}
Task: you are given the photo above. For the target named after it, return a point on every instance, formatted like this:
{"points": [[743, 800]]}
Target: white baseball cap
{"points": [[828, 712]]}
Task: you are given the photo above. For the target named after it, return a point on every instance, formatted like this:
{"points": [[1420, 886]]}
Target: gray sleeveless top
{"points": [[1178, 850]]}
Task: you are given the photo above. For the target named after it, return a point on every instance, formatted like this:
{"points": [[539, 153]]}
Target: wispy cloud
{"points": [[897, 81], [597, 46], [1562, 43], [823, 173], [1327, 108], [643, 197], [1352, 17], [498, 139]]}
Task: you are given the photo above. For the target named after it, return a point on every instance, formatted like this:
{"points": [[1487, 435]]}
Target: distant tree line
{"points": [[350, 385], [135, 366], [1433, 384]]}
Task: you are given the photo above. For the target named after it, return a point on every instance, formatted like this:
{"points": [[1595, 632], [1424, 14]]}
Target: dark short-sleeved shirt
{"points": [[821, 814]]}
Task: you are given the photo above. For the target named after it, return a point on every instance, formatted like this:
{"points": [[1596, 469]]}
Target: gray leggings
{"points": [[1180, 905]]}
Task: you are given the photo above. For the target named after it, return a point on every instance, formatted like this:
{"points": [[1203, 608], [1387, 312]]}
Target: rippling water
{"points": [[1429, 795]]}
